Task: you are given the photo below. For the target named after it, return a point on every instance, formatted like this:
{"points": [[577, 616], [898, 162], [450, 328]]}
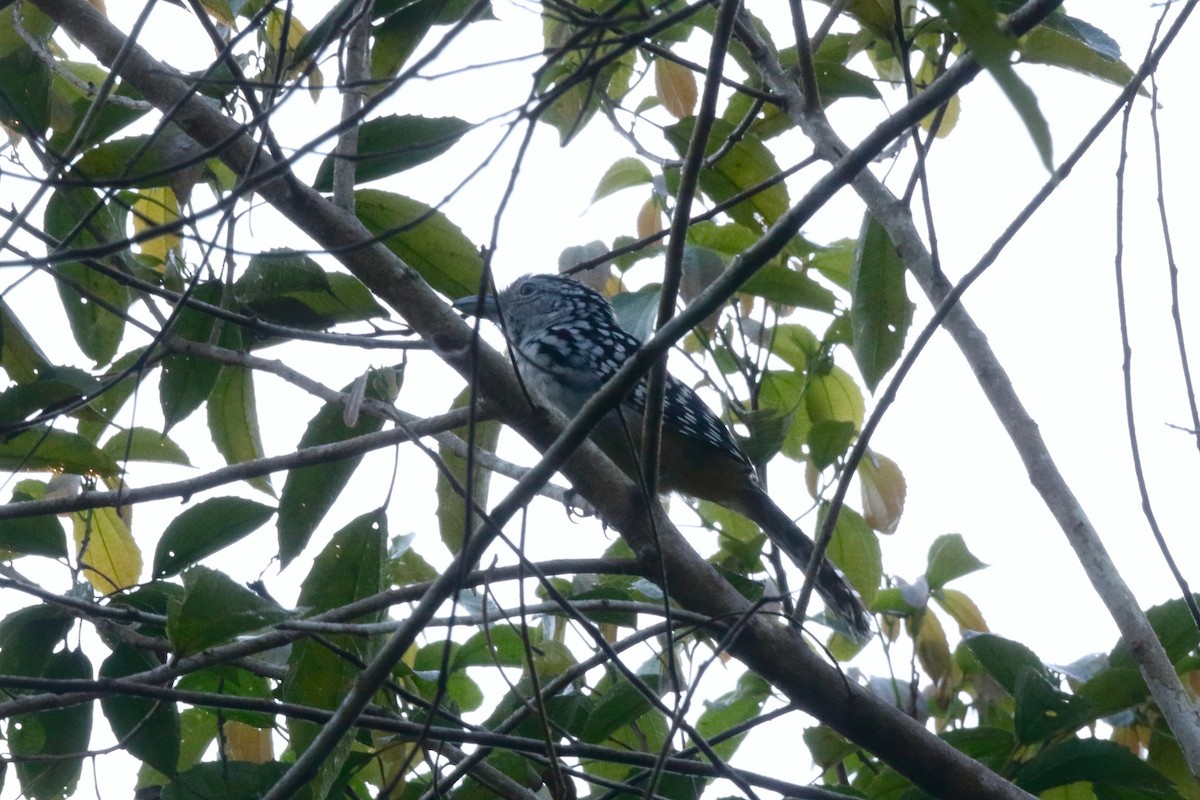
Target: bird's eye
{"points": [[527, 289]]}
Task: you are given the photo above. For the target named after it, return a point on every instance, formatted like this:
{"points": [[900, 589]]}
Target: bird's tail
{"points": [[833, 587]]}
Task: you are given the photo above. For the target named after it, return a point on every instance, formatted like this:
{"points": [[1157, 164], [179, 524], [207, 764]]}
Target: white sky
{"points": [[1047, 306]]}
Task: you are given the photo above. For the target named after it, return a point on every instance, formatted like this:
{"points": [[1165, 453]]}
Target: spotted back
{"points": [[568, 344]]}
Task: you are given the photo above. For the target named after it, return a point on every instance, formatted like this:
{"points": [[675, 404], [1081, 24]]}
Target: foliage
{"points": [[584, 684]]}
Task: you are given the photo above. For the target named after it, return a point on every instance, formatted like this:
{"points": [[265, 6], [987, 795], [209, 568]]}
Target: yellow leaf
{"points": [[962, 609], [883, 491], [110, 559], [246, 743], [1135, 739], [153, 209], [676, 87], [649, 221], [391, 756], [932, 649], [221, 12], [946, 119], [274, 30]]}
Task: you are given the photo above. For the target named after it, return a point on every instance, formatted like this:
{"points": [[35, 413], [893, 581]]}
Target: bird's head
{"points": [[535, 302]]}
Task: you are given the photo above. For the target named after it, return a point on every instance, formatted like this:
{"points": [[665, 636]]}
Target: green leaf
{"points": [[289, 288], [990, 746], [1173, 624], [24, 76], [783, 391], [1073, 44], [204, 529], [892, 599], [148, 729], [63, 732], [451, 508], [1004, 659], [233, 421], [86, 293], [215, 610], [42, 448], [391, 144], [570, 85], [827, 747], [348, 569], [881, 312], [1114, 689], [977, 22], [406, 566], [498, 646], [795, 344], [767, 432], [224, 679], [425, 239], [227, 780], [73, 103], [309, 492], [1043, 711], [326, 30], [1101, 762], [828, 440], [948, 559], [742, 704], [187, 381], [33, 536], [834, 396], [1166, 757], [741, 541], [728, 239], [615, 706], [791, 288], [29, 636], [746, 164], [20, 355], [835, 262], [854, 549], [430, 679], [1026, 104], [624, 173], [144, 444], [144, 161], [278, 273], [834, 79], [400, 31], [99, 413], [52, 386]]}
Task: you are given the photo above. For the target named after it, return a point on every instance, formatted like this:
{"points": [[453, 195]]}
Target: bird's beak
{"points": [[474, 306]]}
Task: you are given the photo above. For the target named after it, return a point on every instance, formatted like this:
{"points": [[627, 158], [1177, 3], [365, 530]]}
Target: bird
{"points": [[566, 342]]}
